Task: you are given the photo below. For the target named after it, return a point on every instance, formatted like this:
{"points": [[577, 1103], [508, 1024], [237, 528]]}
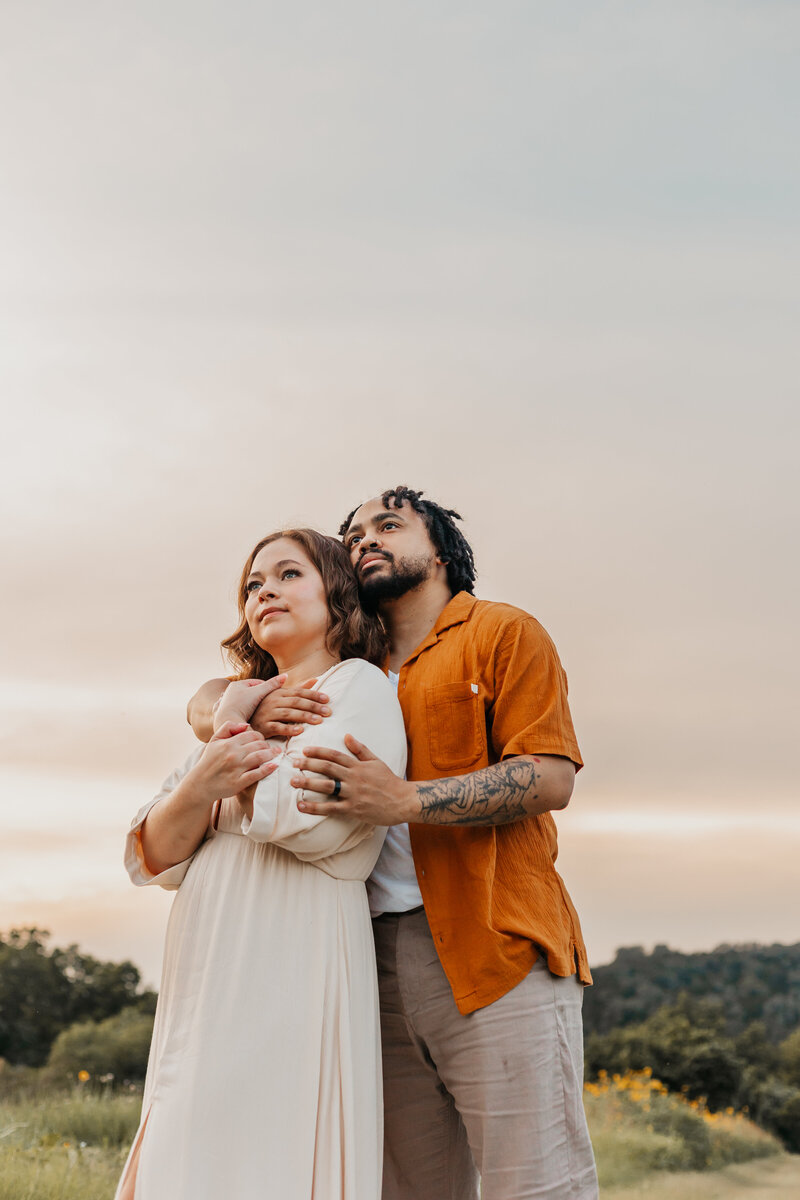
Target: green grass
{"points": [[775, 1178], [70, 1146], [59, 1173]]}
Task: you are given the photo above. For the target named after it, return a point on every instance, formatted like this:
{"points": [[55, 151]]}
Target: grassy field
{"points": [[649, 1143], [768, 1179], [65, 1147]]}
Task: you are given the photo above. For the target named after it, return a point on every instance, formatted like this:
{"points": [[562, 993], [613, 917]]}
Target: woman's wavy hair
{"points": [[352, 633]]}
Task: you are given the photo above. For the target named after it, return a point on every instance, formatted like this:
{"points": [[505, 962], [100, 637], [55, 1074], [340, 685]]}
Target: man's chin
{"points": [[379, 586]]}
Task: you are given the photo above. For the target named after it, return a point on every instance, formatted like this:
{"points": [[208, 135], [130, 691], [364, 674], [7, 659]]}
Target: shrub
{"points": [[638, 1126], [96, 1050], [789, 1058], [777, 1108], [786, 1123]]}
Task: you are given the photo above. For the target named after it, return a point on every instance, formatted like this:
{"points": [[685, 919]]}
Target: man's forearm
{"points": [[498, 795], [200, 709]]}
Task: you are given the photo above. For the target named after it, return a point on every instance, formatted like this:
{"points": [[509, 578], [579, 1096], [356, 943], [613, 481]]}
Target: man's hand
{"points": [[370, 791], [283, 713], [200, 709]]}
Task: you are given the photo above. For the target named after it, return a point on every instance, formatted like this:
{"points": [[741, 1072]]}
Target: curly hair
{"points": [[352, 633], [450, 543]]}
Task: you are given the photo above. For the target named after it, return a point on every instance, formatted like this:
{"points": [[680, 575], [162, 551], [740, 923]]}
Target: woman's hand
{"points": [[284, 712], [234, 759], [241, 699]]}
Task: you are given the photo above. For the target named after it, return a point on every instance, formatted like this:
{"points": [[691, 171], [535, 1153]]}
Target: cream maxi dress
{"points": [[264, 1076]]}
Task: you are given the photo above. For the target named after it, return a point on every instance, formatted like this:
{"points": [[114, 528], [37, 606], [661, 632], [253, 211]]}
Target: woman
{"points": [[263, 1078]]}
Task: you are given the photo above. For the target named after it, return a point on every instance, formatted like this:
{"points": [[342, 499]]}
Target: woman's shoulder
{"points": [[358, 682], [351, 669]]}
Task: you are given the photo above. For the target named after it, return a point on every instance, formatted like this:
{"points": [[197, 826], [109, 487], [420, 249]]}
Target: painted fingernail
{"points": [[326, 712], [316, 720]]}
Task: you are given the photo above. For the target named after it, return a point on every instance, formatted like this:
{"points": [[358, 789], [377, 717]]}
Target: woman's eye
{"points": [[252, 586], [290, 571]]}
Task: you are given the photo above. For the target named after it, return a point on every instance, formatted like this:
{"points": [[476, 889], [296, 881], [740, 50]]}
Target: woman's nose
{"points": [[266, 591]]}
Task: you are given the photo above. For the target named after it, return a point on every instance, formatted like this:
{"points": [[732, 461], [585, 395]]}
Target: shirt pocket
{"points": [[456, 725]]}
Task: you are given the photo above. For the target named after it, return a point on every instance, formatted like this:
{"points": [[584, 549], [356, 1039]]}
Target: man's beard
{"points": [[403, 577]]}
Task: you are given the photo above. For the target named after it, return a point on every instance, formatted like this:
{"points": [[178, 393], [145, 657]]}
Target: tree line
{"points": [[750, 982]]}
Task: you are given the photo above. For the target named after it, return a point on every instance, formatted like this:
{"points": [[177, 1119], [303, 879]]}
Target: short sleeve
{"points": [[530, 713]]}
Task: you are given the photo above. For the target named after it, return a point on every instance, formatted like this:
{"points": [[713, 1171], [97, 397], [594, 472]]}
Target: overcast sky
{"points": [[258, 263]]}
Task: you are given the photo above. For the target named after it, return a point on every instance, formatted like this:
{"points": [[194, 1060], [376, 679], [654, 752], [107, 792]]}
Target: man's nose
{"points": [[367, 544]]}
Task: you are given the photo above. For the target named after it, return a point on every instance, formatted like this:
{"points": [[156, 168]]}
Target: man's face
{"points": [[390, 549]]}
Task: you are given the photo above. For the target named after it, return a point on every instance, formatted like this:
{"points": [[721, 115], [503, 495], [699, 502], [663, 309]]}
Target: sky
{"points": [[260, 262]]}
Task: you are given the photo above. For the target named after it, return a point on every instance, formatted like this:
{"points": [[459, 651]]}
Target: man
{"points": [[480, 957]]}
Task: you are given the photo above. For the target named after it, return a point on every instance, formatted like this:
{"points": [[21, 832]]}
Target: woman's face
{"points": [[285, 607]]}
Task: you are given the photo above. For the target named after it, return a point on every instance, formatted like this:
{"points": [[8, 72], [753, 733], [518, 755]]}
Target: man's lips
{"points": [[369, 560]]}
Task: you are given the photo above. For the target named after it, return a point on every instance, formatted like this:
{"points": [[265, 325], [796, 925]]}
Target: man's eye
{"points": [[354, 540], [388, 525]]}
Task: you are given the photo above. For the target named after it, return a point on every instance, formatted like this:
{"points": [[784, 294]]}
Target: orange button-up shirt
{"points": [[484, 685]]}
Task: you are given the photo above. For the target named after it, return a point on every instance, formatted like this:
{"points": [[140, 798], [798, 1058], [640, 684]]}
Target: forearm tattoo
{"points": [[492, 796]]}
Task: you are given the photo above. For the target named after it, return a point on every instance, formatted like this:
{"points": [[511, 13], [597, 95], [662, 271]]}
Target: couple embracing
{"points": [[417, 741]]}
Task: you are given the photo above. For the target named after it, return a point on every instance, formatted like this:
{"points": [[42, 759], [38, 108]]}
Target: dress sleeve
{"points": [[172, 878], [363, 704]]}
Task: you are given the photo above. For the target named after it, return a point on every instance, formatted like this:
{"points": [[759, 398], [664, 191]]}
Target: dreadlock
{"points": [[451, 545]]}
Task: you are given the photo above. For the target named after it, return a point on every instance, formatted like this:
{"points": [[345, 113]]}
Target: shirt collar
{"points": [[455, 612]]}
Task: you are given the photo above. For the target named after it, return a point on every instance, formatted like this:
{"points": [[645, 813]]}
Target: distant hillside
{"points": [[751, 983]]}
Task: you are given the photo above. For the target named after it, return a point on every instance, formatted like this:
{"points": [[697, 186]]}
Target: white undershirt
{"points": [[392, 886]]}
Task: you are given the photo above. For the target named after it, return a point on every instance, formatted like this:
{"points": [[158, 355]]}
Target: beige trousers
{"points": [[498, 1093]]}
